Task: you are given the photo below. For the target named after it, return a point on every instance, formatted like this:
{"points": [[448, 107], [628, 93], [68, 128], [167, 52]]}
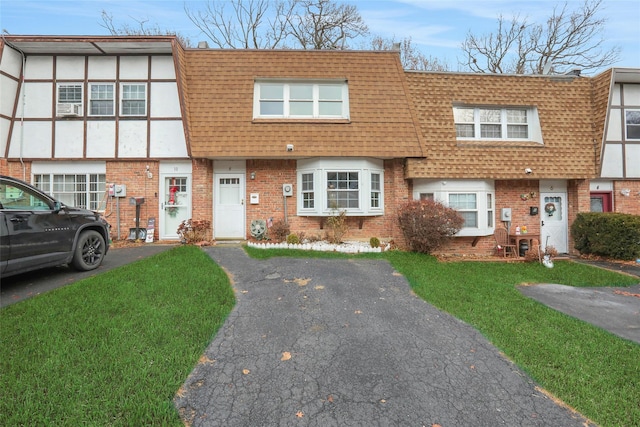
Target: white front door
{"points": [[229, 209], [175, 203], [553, 221]]}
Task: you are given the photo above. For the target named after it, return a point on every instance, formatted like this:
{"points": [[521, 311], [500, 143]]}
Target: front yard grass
{"points": [[589, 369], [113, 349]]}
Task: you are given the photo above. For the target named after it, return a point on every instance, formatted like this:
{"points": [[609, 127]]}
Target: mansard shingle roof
{"points": [[564, 106], [220, 96]]}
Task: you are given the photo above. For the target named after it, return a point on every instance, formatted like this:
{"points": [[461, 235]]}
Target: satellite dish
{"points": [[547, 68]]}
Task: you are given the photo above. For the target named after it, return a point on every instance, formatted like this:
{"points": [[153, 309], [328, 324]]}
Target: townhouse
{"points": [[235, 136]]}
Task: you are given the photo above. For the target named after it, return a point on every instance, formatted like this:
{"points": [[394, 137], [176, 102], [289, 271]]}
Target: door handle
{"points": [[242, 201], [542, 223], [17, 219]]}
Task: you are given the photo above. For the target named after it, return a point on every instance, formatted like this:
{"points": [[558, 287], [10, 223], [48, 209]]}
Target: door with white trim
{"points": [[229, 206], [553, 221], [175, 203]]}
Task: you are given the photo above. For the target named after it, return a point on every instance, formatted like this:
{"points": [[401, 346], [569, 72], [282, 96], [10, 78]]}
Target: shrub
{"points": [[428, 224], [374, 242], [337, 227], [610, 235], [279, 230], [293, 239], [192, 231]]}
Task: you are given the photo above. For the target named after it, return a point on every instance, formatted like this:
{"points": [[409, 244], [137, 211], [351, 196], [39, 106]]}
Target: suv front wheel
{"points": [[89, 251]]}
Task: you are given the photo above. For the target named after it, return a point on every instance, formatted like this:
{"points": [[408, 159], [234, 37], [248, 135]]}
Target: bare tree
{"points": [[569, 40], [324, 24], [244, 24], [140, 30], [264, 24], [410, 56]]}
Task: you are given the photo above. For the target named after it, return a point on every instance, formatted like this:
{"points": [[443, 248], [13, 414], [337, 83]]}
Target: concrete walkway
{"points": [[315, 342]]}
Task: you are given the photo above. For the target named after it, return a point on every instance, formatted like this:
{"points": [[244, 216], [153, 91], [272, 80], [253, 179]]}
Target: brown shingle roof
{"points": [[564, 107], [180, 68], [220, 96]]}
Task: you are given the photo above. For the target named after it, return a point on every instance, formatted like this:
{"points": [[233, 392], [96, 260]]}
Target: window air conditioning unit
{"points": [[67, 109]]}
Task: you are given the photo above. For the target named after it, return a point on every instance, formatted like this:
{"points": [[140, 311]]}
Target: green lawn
{"points": [[114, 349]]}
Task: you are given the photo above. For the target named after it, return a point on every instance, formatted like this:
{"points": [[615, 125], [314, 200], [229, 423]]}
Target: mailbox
{"points": [[136, 201]]}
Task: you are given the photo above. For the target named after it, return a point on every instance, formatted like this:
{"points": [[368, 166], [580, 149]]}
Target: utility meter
{"points": [[505, 214]]}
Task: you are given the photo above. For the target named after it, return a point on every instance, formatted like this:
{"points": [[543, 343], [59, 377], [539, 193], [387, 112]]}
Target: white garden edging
{"points": [[347, 247]]}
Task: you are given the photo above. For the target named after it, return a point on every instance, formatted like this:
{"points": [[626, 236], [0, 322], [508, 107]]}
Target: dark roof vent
{"points": [[574, 72], [203, 45], [396, 46]]}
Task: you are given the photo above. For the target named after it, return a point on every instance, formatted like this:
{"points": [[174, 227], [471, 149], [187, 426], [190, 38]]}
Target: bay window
{"points": [[474, 201], [351, 185]]}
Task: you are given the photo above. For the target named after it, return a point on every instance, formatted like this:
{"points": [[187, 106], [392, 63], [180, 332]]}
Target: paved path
{"points": [[315, 342], [616, 310]]}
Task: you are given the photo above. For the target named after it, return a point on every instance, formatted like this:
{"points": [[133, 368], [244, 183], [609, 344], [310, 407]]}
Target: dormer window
{"points": [[491, 123], [301, 100]]}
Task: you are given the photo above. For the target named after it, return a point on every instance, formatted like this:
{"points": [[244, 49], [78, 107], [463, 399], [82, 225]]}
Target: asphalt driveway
{"points": [[320, 342], [615, 309]]}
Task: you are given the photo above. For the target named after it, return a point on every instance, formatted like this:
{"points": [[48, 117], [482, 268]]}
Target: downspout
{"points": [[24, 101], [24, 95]]}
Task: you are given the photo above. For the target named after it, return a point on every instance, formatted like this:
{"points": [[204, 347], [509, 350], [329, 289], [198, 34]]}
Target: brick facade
{"points": [[133, 174], [627, 204], [271, 174]]}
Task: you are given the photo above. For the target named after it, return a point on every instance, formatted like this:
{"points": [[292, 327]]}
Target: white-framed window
{"points": [[101, 99], [69, 99], [376, 190], [474, 200], [307, 193], [496, 123], [351, 185], [78, 190], [467, 206], [134, 99], [301, 100], [632, 122], [343, 189]]}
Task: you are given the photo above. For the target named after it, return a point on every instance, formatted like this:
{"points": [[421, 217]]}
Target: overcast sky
{"points": [[437, 27]]}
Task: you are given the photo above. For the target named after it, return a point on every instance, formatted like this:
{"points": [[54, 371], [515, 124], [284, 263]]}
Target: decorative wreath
{"points": [[550, 208]]}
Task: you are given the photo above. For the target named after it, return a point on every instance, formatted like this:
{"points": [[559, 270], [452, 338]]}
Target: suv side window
{"points": [[18, 198]]}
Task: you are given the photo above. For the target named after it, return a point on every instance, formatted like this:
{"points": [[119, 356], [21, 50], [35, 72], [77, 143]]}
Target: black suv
{"points": [[37, 231]]}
